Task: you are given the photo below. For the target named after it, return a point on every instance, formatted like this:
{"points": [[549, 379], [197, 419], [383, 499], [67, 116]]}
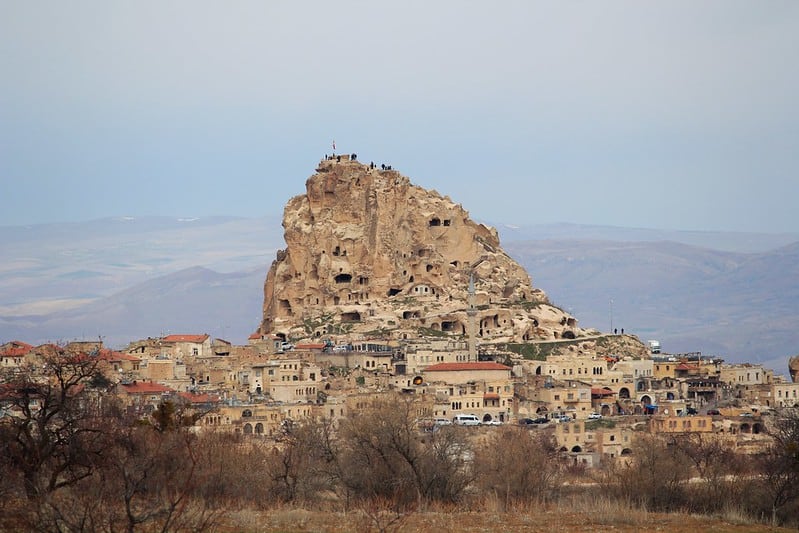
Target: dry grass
{"points": [[579, 515]]}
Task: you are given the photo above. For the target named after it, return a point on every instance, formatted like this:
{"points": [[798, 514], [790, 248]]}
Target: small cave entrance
{"points": [[448, 325], [410, 314], [568, 334], [435, 221], [352, 316], [394, 292], [343, 278]]}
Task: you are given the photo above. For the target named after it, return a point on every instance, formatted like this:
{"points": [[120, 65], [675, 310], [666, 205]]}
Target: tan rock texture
{"points": [[370, 253], [793, 368]]}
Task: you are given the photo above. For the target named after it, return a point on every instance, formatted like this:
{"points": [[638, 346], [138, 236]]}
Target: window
{"points": [[195, 351]]}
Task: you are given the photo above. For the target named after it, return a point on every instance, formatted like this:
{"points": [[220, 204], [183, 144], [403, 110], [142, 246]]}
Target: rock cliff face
{"points": [[793, 368], [369, 253]]}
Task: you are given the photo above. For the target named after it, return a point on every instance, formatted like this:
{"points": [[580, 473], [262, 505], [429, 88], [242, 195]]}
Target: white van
{"points": [[466, 420]]}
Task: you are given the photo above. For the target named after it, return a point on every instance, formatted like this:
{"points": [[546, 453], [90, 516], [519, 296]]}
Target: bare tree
{"points": [[384, 456], [517, 465], [780, 464], [717, 469], [304, 464], [52, 434]]}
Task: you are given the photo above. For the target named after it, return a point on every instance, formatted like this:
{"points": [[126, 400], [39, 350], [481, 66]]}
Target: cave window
{"points": [[343, 278], [394, 292], [435, 221], [337, 251], [354, 316], [429, 268], [410, 280], [447, 222]]}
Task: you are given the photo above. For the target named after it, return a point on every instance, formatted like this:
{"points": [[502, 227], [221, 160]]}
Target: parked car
{"points": [[594, 416], [526, 421], [565, 418], [540, 420], [691, 411], [493, 422], [442, 422], [466, 420]]}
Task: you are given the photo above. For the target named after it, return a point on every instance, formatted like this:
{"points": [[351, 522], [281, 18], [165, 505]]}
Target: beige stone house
{"points": [[569, 398], [670, 422], [186, 347], [484, 389], [579, 438], [12, 354]]}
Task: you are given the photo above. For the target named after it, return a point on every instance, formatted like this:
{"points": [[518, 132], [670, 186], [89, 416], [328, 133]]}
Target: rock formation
{"points": [[793, 368], [370, 254]]}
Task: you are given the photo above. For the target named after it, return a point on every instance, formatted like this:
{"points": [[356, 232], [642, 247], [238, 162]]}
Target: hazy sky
{"points": [[678, 115]]}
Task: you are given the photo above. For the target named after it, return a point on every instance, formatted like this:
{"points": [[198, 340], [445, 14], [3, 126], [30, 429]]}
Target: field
{"points": [[601, 516]]}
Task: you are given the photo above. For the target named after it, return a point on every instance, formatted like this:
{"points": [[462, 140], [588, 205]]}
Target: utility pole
{"points": [[611, 315]]}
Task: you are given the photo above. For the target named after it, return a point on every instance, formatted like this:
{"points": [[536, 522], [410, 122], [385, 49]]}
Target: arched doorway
{"points": [[576, 449], [259, 429], [624, 393], [248, 429], [486, 418]]}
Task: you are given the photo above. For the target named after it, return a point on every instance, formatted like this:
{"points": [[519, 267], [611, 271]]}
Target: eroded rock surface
{"points": [[370, 253]]}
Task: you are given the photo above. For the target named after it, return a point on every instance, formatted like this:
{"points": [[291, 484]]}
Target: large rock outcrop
{"points": [[370, 253]]}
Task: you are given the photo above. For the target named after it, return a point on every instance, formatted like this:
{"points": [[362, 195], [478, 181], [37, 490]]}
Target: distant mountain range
{"points": [[735, 295]]}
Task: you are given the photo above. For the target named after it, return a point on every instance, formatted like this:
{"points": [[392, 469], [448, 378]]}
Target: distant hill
{"points": [[193, 300], [125, 279], [740, 306]]}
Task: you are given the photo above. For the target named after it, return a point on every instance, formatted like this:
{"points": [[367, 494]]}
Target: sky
{"points": [[674, 115]]}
